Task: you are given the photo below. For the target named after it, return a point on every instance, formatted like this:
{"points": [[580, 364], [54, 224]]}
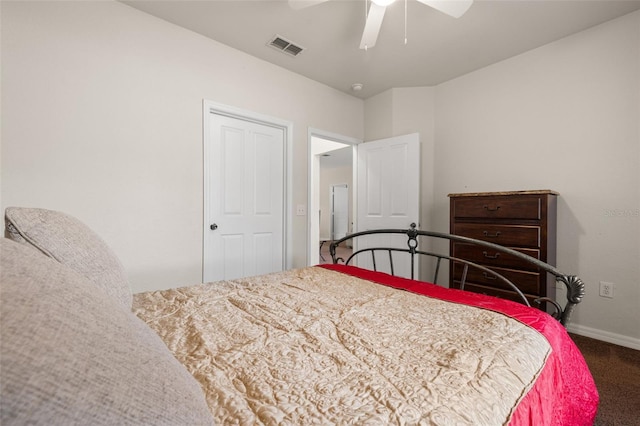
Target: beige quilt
{"points": [[314, 346]]}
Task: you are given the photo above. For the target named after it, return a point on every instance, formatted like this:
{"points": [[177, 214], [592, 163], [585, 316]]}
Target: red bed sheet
{"points": [[564, 394]]}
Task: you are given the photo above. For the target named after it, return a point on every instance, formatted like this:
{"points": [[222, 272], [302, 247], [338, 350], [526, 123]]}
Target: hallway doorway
{"points": [[331, 164]]}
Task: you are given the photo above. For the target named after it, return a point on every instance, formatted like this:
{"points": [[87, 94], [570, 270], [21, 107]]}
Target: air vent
{"points": [[286, 46]]}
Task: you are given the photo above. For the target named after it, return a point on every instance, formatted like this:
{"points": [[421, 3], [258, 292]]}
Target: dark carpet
{"points": [[616, 371]]}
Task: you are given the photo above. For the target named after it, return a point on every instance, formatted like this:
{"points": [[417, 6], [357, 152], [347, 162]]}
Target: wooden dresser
{"points": [[521, 220]]}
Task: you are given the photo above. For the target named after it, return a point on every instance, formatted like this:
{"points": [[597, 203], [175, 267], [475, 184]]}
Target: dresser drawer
{"points": [[505, 235], [521, 220], [527, 282], [523, 208], [485, 256]]}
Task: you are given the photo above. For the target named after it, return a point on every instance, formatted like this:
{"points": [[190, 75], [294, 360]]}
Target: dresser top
{"points": [[526, 192]]}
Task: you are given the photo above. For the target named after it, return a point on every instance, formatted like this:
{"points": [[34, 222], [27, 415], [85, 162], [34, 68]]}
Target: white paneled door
{"points": [[245, 200], [339, 211], [388, 196]]}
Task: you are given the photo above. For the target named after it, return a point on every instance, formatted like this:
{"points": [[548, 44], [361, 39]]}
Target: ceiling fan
{"points": [[454, 8]]}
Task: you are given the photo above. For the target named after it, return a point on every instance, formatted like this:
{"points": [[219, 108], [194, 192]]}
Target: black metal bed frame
{"points": [[574, 285]]}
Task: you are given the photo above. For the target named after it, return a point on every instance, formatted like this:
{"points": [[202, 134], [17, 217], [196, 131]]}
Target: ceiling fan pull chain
{"points": [[405, 22]]}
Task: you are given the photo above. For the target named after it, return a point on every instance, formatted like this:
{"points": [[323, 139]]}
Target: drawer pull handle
{"points": [[489, 277], [487, 234], [491, 209], [495, 256]]}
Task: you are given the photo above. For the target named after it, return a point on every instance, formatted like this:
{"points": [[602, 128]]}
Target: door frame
{"points": [[313, 232], [211, 107]]}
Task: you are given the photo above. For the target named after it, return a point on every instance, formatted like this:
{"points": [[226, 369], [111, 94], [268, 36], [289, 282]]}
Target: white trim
{"points": [[287, 128], [333, 136], [605, 336], [322, 134]]}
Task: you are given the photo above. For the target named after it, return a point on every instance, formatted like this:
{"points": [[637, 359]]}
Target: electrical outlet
{"points": [[301, 210], [606, 289]]}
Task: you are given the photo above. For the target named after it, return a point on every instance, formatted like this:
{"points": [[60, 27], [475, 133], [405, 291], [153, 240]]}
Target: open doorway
{"points": [[331, 171]]}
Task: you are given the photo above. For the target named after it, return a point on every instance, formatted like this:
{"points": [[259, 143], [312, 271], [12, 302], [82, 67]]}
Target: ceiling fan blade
{"points": [[455, 8], [372, 26], [301, 4]]}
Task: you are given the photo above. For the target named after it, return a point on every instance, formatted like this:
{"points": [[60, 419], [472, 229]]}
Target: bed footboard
{"points": [[575, 286]]}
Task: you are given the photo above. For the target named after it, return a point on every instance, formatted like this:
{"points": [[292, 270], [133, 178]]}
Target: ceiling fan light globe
{"points": [[383, 2], [453, 8]]}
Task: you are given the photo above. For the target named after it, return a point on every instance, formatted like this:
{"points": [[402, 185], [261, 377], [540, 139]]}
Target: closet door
{"points": [[245, 180]]}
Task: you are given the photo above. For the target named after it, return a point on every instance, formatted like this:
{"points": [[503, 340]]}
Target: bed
{"points": [[339, 344]]}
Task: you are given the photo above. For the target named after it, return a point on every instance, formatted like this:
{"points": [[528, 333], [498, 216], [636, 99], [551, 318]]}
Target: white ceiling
{"points": [[439, 47], [342, 157]]}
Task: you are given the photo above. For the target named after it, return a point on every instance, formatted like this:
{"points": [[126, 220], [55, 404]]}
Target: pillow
{"points": [[71, 242], [71, 355]]}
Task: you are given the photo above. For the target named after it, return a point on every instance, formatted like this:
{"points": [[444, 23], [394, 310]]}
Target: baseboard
{"points": [[605, 336]]}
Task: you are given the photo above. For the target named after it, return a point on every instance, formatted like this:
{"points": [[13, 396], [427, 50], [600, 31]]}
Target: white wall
{"points": [[102, 118], [563, 117]]}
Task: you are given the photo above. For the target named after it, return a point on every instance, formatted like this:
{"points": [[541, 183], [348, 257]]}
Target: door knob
{"points": [[213, 226]]}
